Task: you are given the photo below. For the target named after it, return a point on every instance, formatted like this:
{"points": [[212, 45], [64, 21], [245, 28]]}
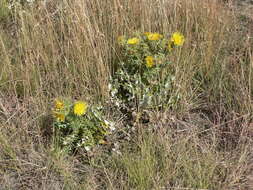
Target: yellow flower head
{"points": [[58, 104], [177, 38], [80, 108], [133, 41], [149, 61], [154, 36], [59, 116]]}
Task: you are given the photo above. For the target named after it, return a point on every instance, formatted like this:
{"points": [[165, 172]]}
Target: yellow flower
{"points": [[59, 116], [58, 104], [154, 36], [133, 41], [80, 108], [177, 38], [149, 61]]}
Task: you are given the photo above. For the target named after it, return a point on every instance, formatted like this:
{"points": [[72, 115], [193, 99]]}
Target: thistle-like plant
{"points": [[144, 77], [77, 125]]}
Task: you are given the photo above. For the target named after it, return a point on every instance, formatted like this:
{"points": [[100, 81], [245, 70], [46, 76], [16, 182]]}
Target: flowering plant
{"points": [[77, 125], [144, 75]]}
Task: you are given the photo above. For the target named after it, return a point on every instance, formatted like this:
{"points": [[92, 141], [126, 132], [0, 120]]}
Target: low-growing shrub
{"points": [[144, 77], [77, 125]]}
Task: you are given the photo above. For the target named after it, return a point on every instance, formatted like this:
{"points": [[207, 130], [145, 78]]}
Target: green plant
{"points": [[145, 76], [78, 126]]}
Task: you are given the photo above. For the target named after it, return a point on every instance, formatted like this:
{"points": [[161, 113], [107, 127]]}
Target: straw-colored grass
{"points": [[69, 48]]}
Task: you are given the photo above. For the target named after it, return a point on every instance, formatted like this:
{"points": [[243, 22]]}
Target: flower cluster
{"points": [[145, 74], [176, 39], [78, 125]]}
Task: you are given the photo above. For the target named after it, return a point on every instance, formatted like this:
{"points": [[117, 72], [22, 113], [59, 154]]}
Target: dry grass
{"points": [[69, 48]]}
